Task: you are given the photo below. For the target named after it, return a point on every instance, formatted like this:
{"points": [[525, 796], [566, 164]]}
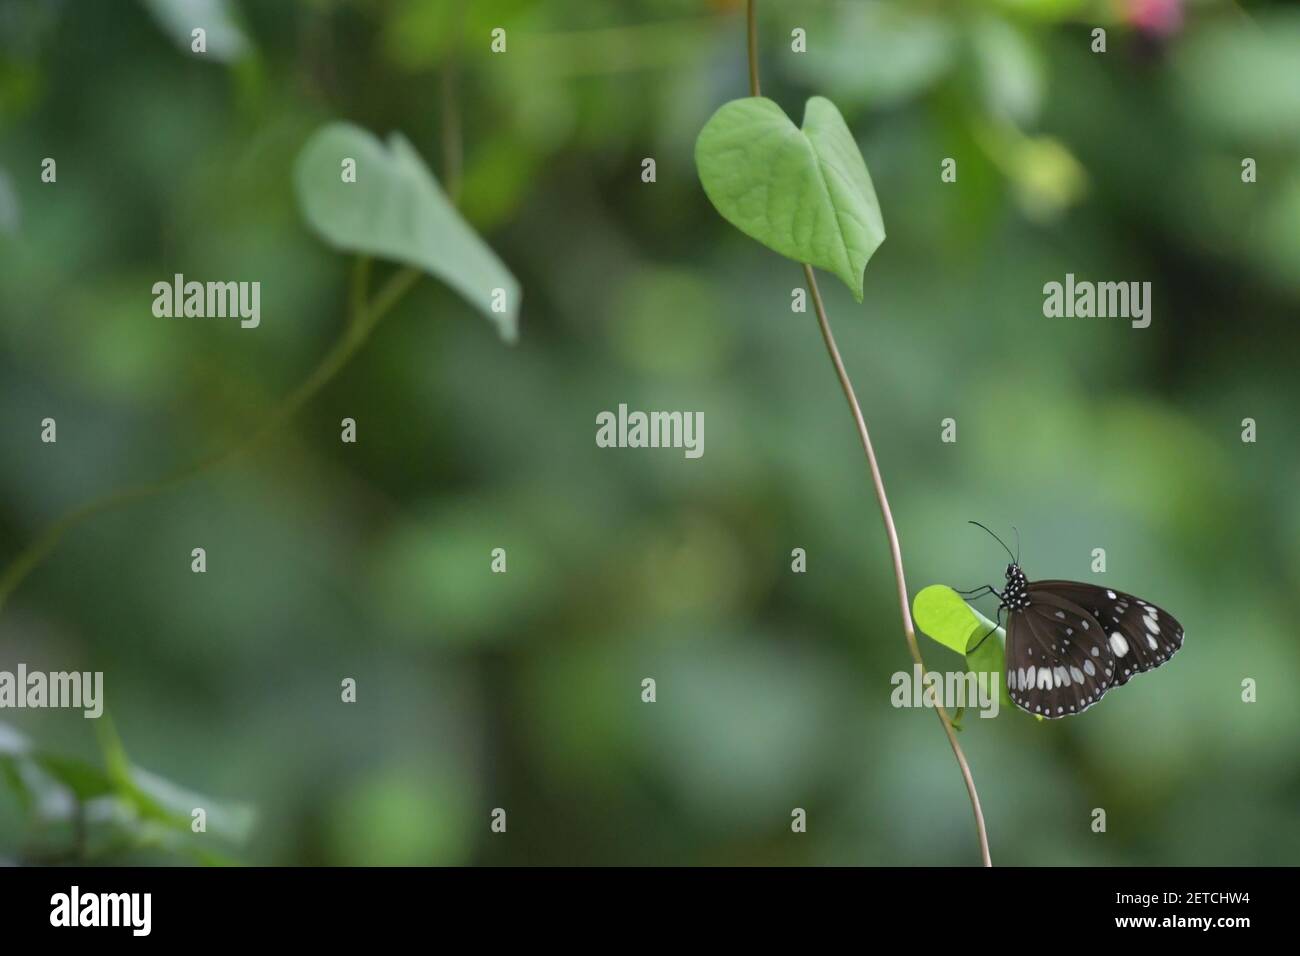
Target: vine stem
{"points": [[453, 150], [751, 31], [891, 531], [362, 320], [896, 554]]}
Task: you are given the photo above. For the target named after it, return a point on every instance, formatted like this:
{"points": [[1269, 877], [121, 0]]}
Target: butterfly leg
{"points": [[972, 650], [978, 592]]}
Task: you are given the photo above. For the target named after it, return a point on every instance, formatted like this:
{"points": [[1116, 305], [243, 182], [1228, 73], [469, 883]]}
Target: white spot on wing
{"points": [[1118, 644]]}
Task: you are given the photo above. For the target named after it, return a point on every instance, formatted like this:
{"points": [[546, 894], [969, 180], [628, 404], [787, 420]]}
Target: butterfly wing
{"points": [[1141, 635], [1059, 662]]}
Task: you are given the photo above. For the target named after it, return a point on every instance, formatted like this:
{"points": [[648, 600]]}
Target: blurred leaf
{"points": [[171, 802], [225, 40], [397, 210], [115, 827], [40, 794], [1277, 242], [1048, 178], [115, 759], [85, 781], [12, 743], [126, 808], [1243, 78], [1044, 173], [161, 801], [13, 746], [878, 54], [1010, 70], [803, 193]]}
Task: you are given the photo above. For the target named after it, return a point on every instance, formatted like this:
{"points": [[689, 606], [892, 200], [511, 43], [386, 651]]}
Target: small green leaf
{"points": [[804, 193], [396, 210], [943, 616]]}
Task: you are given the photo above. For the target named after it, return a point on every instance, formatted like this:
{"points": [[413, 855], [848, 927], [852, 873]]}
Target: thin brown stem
{"points": [[751, 18], [895, 552], [453, 149], [891, 532]]}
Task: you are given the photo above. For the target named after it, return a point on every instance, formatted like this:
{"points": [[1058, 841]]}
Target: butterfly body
{"points": [[1068, 643]]}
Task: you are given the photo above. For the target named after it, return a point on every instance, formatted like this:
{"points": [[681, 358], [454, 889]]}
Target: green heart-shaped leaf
{"points": [[943, 616], [804, 193], [396, 210]]}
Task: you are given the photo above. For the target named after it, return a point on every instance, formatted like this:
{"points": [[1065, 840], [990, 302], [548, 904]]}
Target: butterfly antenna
{"points": [[1017, 531], [1000, 541]]}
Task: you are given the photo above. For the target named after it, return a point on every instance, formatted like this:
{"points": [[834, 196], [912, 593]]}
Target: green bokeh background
{"points": [[522, 690]]}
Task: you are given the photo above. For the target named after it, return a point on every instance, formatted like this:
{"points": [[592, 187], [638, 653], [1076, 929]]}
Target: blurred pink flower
{"points": [[1157, 18]]}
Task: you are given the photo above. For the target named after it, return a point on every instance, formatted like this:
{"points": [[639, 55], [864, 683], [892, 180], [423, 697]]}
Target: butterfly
{"points": [[1068, 643]]}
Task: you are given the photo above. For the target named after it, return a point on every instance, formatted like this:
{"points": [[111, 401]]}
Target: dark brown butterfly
{"points": [[1068, 643]]}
